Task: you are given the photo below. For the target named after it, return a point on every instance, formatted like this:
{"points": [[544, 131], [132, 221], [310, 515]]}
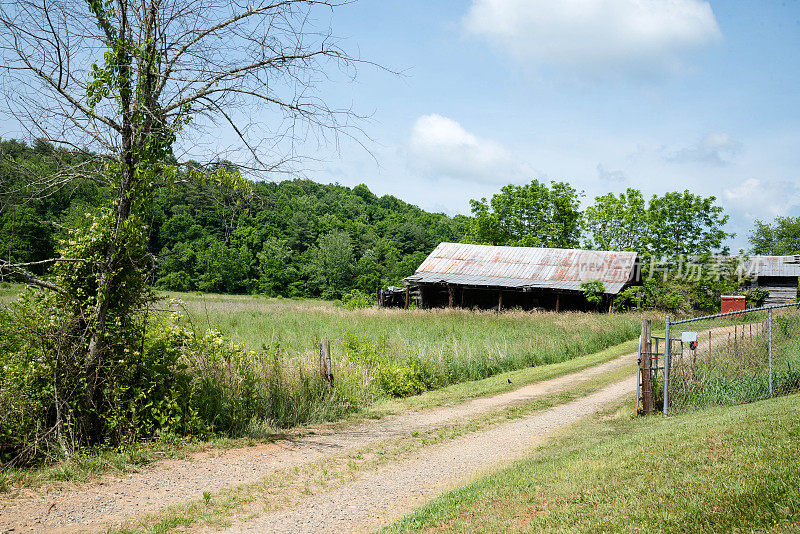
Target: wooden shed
{"points": [[484, 276], [777, 274]]}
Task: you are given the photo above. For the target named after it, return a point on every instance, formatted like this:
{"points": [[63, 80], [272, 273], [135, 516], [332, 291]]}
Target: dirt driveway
{"points": [[382, 495]]}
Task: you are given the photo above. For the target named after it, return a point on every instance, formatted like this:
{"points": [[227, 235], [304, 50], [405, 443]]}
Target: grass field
{"points": [[377, 353], [393, 352], [733, 469]]}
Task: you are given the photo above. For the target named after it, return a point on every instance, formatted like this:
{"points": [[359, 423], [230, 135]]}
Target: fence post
{"points": [[769, 351], [645, 367], [325, 366], [667, 349]]}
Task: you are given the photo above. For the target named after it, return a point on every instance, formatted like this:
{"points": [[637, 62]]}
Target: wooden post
{"points": [[558, 296], [500, 300], [406, 304], [610, 304], [450, 296], [325, 365], [645, 359]]}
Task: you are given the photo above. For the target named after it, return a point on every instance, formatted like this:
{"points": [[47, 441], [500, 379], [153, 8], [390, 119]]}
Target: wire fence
{"points": [[730, 358]]}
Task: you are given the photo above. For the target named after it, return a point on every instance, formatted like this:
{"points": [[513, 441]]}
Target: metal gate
{"points": [[722, 359]]}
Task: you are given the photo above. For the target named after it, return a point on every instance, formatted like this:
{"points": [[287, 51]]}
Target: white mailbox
{"points": [[688, 337]]}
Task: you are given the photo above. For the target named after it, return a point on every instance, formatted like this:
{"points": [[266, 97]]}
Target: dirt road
{"points": [[384, 494], [388, 494]]}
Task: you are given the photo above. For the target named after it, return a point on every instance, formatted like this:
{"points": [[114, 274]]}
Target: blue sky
{"points": [[660, 95]]}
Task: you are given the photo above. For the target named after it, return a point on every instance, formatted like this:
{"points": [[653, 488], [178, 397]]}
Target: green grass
{"points": [[447, 355], [86, 467], [502, 383], [439, 347], [733, 469], [287, 487]]}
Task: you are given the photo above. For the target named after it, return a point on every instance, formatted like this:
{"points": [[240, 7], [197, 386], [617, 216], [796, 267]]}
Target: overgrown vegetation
{"points": [[187, 378], [723, 470], [385, 351]]}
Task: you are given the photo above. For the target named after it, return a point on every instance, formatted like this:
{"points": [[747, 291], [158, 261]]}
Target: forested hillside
{"points": [[290, 238]]}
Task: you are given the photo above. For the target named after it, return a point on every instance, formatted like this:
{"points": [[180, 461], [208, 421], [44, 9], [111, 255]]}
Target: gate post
{"points": [[645, 359], [769, 351], [667, 349]]}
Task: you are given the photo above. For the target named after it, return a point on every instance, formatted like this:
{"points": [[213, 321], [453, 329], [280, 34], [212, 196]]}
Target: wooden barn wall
{"points": [[781, 288]]}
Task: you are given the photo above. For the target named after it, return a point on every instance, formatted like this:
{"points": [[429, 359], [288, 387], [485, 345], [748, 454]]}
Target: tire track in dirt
{"points": [[386, 495], [115, 498]]}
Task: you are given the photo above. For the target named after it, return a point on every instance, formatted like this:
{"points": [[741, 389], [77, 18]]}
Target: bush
{"points": [[593, 290], [627, 299], [164, 380], [412, 377], [356, 299], [43, 405], [756, 297]]}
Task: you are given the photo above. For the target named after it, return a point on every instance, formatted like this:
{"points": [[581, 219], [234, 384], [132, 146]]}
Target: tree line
{"points": [[299, 238]]}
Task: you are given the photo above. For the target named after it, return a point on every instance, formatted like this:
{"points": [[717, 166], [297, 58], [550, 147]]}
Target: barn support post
{"points": [[450, 296], [558, 297], [645, 367], [405, 306], [500, 300]]}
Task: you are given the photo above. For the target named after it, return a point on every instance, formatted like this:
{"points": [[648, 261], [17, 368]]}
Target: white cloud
{"points": [[442, 147], [763, 199], [595, 35], [714, 149]]}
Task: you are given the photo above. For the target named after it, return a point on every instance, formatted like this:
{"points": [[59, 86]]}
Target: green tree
{"points": [[781, 238], [617, 222], [333, 265], [126, 79], [531, 215], [685, 223], [275, 267]]}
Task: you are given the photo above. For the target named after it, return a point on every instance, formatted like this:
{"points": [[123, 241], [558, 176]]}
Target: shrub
{"points": [[593, 290], [627, 299], [357, 299], [756, 296], [411, 377]]}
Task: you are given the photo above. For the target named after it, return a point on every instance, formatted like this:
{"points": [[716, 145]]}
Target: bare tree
{"points": [[130, 81]]}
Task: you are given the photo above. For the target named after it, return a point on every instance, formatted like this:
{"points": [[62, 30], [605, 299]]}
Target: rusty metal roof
{"points": [[525, 267], [772, 266]]}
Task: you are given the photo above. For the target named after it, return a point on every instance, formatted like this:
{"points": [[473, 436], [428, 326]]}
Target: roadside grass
{"points": [[444, 354], [390, 352], [287, 487], [88, 466], [723, 469], [494, 385]]}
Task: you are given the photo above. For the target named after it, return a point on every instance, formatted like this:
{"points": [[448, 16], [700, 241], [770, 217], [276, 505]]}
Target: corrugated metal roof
{"points": [[525, 267], [772, 266]]}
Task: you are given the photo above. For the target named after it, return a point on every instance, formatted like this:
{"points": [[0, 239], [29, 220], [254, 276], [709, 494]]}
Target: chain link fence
{"points": [[729, 358]]}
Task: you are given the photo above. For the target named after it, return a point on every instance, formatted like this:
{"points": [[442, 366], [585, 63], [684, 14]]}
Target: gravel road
{"points": [[389, 493], [114, 498]]}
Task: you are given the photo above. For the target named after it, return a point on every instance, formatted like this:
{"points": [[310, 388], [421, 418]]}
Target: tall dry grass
{"points": [[379, 352]]}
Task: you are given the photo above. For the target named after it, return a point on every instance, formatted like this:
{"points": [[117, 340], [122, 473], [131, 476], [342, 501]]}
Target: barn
{"points": [[486, 277], [777, 274]]}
